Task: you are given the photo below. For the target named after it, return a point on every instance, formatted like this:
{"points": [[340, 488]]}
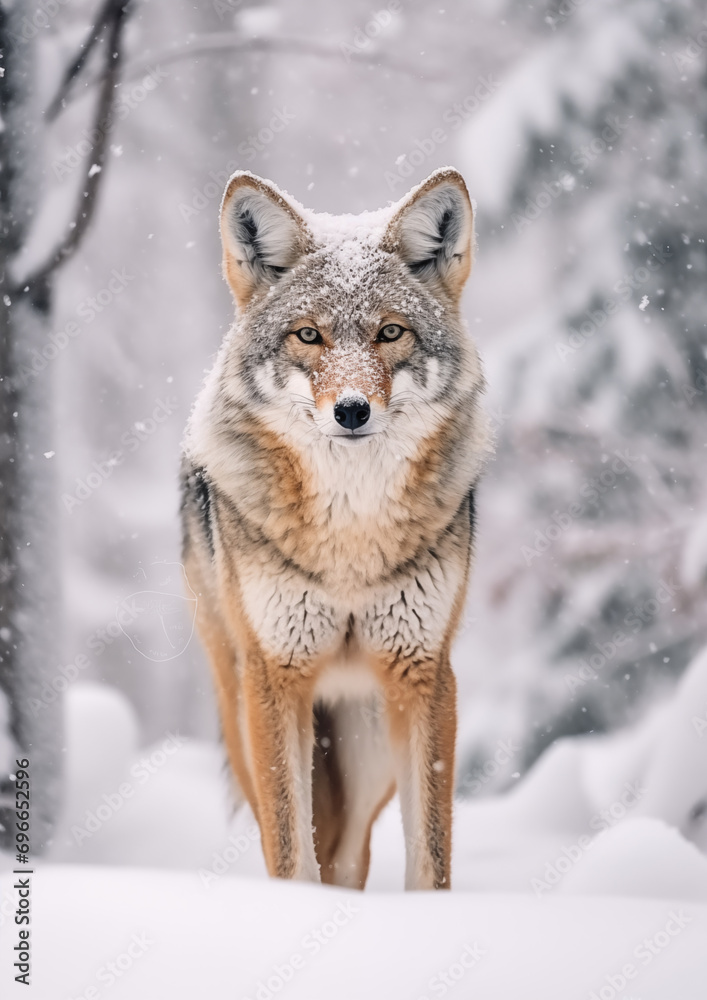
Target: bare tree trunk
{"points": [[29, 578]]}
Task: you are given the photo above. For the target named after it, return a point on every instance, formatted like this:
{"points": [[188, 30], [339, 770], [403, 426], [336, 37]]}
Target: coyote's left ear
{"points": [[433, 231], [263, 236]]}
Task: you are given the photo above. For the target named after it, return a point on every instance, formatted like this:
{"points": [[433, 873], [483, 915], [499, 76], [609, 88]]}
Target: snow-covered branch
{"points": [[110, 22], [229, 42]]}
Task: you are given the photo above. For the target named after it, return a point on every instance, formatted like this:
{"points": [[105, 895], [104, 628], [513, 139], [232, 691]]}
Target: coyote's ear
{"points": [[433, 231], [261, 234]]}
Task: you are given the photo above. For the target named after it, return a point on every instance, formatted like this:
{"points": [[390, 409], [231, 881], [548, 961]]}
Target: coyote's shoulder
{"points": [[328, 480]]}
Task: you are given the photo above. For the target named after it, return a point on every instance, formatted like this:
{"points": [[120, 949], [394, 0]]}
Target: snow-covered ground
{"points": [[154, 935], [587, 880]]}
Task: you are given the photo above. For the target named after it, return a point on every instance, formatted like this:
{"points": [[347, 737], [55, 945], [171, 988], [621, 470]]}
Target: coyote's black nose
{"points": [[352, 414]]}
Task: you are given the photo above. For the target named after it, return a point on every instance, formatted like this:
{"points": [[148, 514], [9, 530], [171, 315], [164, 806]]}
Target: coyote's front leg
{"points": [[421, 703], [280, 738]]}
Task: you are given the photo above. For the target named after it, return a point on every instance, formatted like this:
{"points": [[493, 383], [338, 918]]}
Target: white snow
{"points": [[258, 22], [641, 857], [579, 880], [348, 396], [570, 67], [349, 364], [613, 826], [346, 229], [168, 937]]}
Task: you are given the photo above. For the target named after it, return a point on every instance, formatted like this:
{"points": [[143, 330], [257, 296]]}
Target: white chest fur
{"points": [[298, 620]]}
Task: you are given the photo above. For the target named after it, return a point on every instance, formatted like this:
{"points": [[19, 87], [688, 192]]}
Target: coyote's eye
{"points": [[308, 335], [390, 332]]}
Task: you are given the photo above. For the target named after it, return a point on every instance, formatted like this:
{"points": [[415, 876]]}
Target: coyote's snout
{"points": [[328, 485], [349, 386]]}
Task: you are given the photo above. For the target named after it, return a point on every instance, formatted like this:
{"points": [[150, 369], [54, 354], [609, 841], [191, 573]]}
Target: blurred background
{"points": [[580, 128]]}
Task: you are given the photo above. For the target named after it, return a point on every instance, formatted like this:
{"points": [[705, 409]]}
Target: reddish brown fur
{"points": [[276, 524]]}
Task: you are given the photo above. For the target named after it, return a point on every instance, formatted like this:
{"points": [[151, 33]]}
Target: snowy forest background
{"points": [[580, 128]]}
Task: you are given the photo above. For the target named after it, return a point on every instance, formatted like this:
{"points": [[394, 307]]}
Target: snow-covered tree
{"points": [[30, 608], [588, 164]]}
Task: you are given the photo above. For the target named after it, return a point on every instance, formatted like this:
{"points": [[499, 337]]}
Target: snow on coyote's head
{"points": [[348, 330]]}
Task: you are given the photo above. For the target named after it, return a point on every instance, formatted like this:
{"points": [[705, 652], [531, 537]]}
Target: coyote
{"points": [[328, 483]]}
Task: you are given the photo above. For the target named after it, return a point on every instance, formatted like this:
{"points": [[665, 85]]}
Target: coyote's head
{"points": [[349, 331]]}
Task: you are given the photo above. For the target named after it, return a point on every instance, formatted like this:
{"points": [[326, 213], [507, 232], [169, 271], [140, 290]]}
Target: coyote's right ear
{"points": [[261, 234], [433, 231]]}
